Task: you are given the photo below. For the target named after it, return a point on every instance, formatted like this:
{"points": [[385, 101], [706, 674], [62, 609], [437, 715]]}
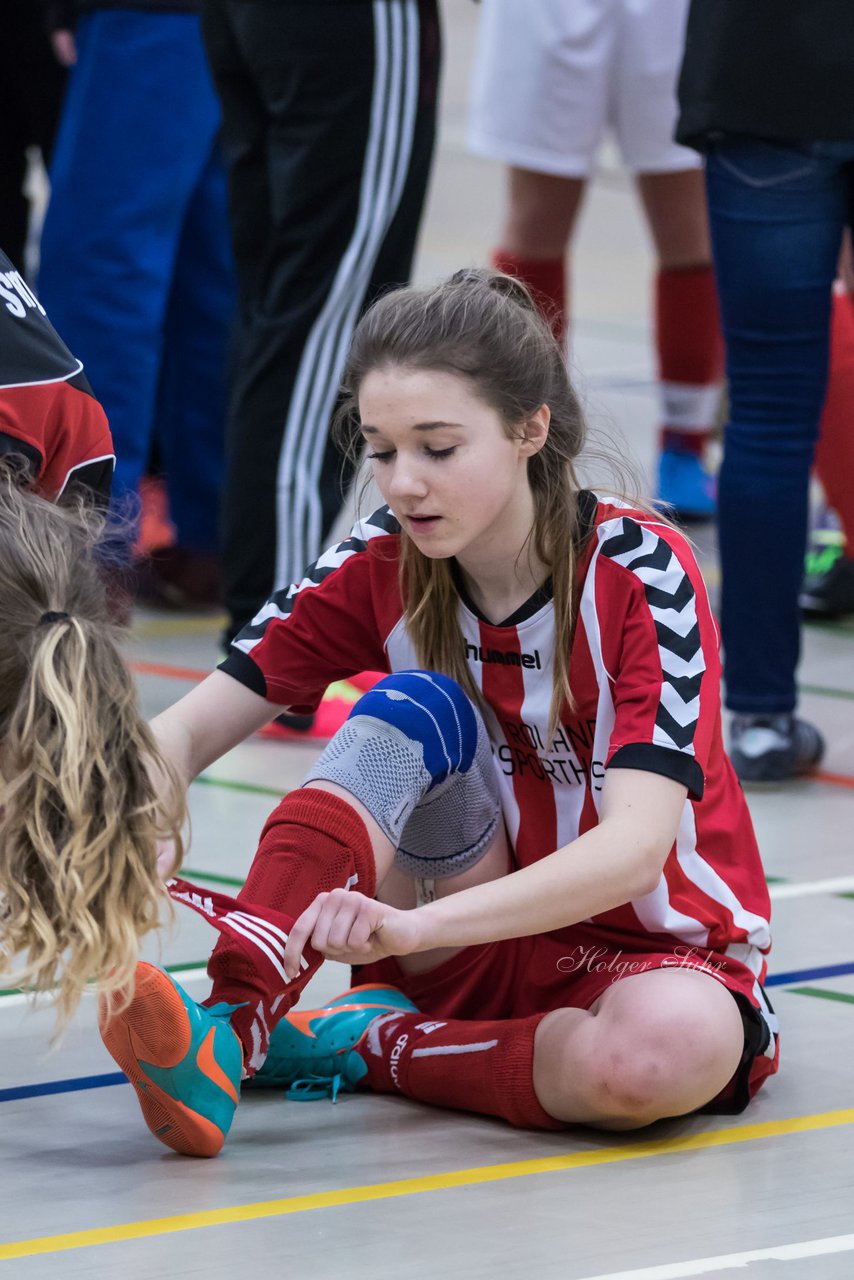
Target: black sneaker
{"points": [[773, 748], [828, 591]]}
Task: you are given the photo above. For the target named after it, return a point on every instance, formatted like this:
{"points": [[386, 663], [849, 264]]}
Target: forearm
{"points": [[617, 861], [597, 872]]}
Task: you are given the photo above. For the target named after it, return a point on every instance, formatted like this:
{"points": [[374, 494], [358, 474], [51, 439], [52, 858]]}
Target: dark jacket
{"points": [[777, 69]]}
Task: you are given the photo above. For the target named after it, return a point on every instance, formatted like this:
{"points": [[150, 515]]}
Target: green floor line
{"points": [[214, 878], [188, 964], [254, 788], [820, 994], [170, 968], [821, 691]]}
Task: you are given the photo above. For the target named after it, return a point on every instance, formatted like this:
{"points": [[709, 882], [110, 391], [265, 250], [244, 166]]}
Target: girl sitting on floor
{"points": [[528, 835]]}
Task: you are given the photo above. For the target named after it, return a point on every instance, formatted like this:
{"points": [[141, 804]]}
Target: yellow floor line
{"points": [[627, 1150], [154, 628]]}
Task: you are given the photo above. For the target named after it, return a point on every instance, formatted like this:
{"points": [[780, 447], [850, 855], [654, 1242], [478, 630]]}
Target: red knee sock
{"points": [[487, 1067], [546, 278], [311, 843], [690, 355], [834, 459]]}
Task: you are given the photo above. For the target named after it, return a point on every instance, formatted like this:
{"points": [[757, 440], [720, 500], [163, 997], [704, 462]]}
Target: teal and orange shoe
{"points": [[312, 1052], [183, 1059]]}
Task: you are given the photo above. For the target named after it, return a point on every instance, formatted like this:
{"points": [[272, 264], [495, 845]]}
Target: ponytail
{"points": [[81, 798]]}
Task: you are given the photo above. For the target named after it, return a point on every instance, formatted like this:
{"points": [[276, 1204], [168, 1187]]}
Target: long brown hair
{"points": [[81, 794], [484, 326]]}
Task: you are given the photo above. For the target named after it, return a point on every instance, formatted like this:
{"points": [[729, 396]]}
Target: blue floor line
{"points": [[118, 1077], [807, 975], [63, 1086]]}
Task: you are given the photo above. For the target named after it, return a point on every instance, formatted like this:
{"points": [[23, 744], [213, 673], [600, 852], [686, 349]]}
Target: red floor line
{"points": [[171, 673], [835, 779]]}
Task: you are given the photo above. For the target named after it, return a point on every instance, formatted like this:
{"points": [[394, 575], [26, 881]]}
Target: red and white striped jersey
{"points": [[645, 676]]}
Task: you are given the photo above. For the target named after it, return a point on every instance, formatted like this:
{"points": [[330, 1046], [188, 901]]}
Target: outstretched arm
{"points": [[198, 729], [210, 720], [618, 860]]}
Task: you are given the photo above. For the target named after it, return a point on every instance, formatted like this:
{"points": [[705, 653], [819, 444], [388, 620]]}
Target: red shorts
{"points": [[572, 969]]}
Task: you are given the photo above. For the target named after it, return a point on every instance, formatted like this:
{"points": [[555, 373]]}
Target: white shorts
{"points": [[551, 75]]}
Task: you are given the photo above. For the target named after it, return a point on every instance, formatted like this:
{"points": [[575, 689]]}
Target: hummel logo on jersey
{"points": [[427, 1027], [476, 653]]}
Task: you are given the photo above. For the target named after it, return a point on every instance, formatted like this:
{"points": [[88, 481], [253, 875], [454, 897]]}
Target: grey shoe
{"points": [[772, 748]]}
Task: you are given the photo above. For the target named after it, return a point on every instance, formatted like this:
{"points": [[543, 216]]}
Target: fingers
{"points": [[341, 913], [300, 935], [363, 930], [339, 925]]}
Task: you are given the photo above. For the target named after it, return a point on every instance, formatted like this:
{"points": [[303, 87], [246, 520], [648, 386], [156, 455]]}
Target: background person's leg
{"points": [[540, 217], [777, 215], [138, 121], [539, 103], [342, 116], [687, 336], [31, 89], [190, 424], [393, 264]]}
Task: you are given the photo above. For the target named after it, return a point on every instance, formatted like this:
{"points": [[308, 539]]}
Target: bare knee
{"points": [[583, 1074], [633, 1085], [624, 1073]]}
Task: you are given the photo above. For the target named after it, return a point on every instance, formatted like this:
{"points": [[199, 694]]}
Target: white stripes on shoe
{"points": [[386, 164]]}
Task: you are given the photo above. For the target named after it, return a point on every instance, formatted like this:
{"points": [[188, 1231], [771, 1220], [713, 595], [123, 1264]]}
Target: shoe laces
{"points": [[315, 1088], [223, 1010]]}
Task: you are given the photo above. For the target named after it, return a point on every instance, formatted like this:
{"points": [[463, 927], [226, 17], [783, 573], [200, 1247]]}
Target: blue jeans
{"points": [[136, 264], [777, 216]]}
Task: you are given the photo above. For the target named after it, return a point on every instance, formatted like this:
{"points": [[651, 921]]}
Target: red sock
{"points": [[485, 1067], [690, 355], [546, 278], [311, 843], [834, 459]]}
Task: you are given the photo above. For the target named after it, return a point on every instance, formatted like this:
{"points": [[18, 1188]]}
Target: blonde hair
{"points": [[81, 779], [486, 327]]}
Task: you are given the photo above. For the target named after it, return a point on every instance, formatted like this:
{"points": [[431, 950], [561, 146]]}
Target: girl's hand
{"points": [[347, 926], [64, 47]]}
